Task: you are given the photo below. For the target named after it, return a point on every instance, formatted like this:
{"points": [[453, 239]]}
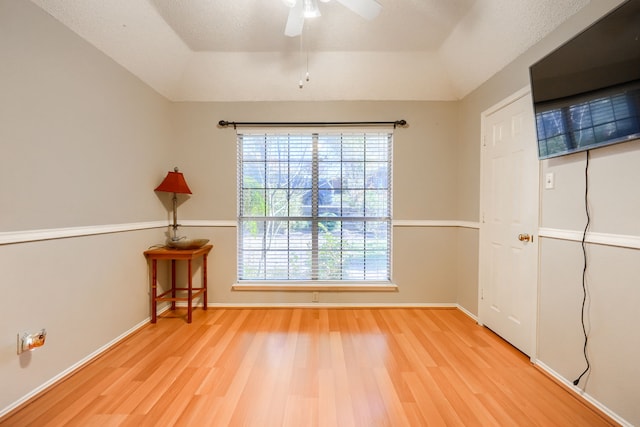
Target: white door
{"points": [[509, 197]]}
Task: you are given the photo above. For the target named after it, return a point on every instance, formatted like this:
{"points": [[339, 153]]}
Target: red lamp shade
{"points": [[174, 183]]}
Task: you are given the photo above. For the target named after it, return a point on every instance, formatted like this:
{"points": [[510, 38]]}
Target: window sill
{"points": [[312, 287]]}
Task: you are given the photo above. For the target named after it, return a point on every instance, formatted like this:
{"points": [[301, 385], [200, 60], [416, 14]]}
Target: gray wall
{"points": [[83, 144], [425, 179], [614, 341], [612, 275]]}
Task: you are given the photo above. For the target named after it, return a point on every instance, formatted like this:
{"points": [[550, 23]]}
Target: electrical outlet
{"points": [[27, 341], [315, 297]]}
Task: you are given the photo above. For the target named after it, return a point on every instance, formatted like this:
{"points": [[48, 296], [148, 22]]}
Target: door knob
{"points": [[525, 237]]}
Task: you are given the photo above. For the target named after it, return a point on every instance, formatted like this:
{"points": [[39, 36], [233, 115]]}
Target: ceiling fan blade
{"points": [[295, 21], [368, 9]]}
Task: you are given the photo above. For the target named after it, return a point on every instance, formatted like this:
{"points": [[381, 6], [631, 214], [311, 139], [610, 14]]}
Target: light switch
{"points": [[549, 181]]}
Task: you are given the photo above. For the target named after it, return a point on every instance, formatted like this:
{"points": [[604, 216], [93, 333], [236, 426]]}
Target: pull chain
{"points": [[304, 55]]}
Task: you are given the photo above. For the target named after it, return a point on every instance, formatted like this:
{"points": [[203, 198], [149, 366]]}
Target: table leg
{"points": [[173, 283], [204, 281], [189, 293], [154, 290]]}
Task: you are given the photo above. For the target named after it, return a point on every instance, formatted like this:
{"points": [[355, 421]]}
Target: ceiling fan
{"points": [[301, 9]]}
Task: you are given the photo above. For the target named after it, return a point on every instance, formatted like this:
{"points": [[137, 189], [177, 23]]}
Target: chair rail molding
{"points": [[607, 239], [23, 236]]}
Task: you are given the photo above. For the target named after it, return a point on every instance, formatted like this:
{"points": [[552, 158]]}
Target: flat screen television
{"points": [[586, 93]]}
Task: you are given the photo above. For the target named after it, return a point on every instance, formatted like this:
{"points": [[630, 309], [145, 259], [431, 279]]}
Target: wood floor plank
{"points": [[425, 403], [309, 367]]}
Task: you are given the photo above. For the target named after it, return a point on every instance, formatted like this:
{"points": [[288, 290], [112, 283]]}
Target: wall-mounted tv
{"points": [[586, 93]]}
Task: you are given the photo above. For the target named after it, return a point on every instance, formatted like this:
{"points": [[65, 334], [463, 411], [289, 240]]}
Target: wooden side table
{"points": [[174, 255]]}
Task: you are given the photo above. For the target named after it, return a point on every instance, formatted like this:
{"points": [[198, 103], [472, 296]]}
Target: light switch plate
{"points": [[549, 181]]}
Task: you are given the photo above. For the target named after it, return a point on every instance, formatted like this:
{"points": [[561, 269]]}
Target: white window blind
{"points": [[314, 207]]}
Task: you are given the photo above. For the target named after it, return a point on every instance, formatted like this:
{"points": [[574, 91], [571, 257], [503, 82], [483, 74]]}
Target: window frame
{"points": [[314, 282]]}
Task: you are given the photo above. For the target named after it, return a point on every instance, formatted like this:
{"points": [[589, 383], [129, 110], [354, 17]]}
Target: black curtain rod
{"points": [[224, 124]]}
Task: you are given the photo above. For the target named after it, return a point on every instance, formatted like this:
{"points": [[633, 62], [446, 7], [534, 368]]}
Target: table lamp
{"points": [[174, 183]]}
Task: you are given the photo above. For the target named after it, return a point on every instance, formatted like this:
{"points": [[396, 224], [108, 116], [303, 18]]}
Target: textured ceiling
{"points": [[236, 50], [258, 26]]}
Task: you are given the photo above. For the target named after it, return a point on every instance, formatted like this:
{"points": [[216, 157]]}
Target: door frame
{"points": [[482, 228]]}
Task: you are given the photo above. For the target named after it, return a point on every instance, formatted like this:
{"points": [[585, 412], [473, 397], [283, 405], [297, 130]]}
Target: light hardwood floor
{"points": [[309, 367]]}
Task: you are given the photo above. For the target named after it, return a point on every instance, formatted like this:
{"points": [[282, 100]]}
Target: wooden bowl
{"points": [[187, 243]]}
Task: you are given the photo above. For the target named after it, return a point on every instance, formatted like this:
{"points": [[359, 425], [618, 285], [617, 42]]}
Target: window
{"points": [[314, 207]]}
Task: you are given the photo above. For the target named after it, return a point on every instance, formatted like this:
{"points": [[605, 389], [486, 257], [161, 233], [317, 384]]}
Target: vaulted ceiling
{"points": [[236, 50]]}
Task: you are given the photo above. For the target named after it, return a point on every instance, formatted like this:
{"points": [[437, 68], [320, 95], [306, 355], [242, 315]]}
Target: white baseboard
{"points": [[73, 367], [468, 313], [583, 394], [325, 305], [335, 305]]}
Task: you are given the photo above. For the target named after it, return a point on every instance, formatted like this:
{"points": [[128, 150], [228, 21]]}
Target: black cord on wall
{"points": [[584, 270]]}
